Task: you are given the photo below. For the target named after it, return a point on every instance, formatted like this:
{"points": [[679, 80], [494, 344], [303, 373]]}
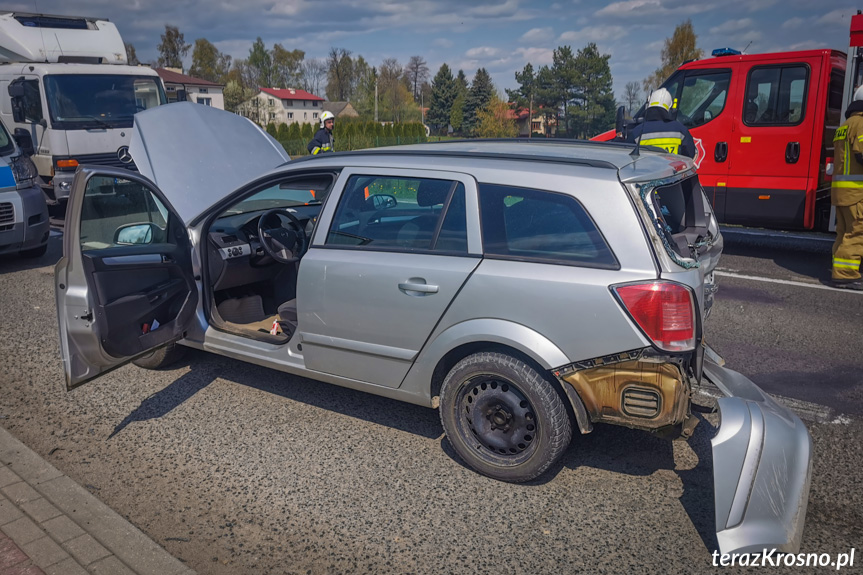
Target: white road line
{"points": [[784, 282]]}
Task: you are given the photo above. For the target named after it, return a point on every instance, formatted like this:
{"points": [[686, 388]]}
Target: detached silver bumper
{"points": [[762, 467]]}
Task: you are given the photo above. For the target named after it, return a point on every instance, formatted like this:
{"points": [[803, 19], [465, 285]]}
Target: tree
{"points": [[456, 116], [495, 120], [260, 65], [524, 95], [339, 74], [307, 131], [208, 63], [565, 75], [631, 96], [395, 97], [287, 66], [480, 94], [593, 108], [314, 74], [678, 49], [234, 94], [443, 95], [172, 48], [417, 72], [131, 57]]}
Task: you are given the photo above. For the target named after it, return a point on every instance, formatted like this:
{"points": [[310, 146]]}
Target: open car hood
{"points": [[197, 154]]}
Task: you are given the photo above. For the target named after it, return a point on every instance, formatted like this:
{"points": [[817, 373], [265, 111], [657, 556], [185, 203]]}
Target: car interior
{"points": [[253, 255]]}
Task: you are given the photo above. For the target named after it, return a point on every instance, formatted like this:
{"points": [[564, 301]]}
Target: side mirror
{"points": [[16, 89], [381, 202], [16, 95], [182, 96], [25, 141], [620, 123], [135, 234]]}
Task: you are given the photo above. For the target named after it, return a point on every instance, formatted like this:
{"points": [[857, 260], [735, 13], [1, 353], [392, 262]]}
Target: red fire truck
{"points": [[763, 126]]}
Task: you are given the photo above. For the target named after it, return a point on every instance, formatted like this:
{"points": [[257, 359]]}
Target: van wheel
{"points": [[162, 357], [503, 417], [35, 252]]}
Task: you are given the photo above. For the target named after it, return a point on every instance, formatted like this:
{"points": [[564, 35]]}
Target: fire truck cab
{"points": [[763, 126]]}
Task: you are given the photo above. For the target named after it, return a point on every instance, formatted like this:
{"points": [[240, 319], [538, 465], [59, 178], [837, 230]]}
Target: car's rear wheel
{"points": [[162, 357], [503, 417]]}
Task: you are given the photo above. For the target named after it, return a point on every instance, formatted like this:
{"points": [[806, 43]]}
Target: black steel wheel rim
{"points": [[496, 419]]}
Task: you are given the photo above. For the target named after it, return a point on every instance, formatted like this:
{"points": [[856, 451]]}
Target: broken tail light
{"points": [[664, 311]]}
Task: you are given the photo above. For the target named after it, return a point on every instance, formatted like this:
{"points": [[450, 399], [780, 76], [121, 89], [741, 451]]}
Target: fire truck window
{"points": [[776, 95], [837, 85], [702, 98]]}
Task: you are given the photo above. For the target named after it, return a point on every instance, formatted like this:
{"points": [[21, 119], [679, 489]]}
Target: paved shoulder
{"points": [[50, 524]]}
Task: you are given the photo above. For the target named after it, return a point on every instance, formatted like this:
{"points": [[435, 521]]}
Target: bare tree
{"points": [[173, 48], [632, 95], [339, 74], [314, 72], [417, 72]]}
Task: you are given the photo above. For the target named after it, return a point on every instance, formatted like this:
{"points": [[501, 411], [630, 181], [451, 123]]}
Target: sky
{"points": [[499, 36]]}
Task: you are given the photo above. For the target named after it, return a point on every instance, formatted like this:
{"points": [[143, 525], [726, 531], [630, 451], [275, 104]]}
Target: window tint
{"points": [[121, 212], [32, 101], [776, 95], [543, 226], [837, 86], [702, 98], [401, 214]]}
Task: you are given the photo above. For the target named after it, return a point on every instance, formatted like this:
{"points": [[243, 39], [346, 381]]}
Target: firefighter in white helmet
{"points": [[847, 195], [324, 140], [660, 130]]}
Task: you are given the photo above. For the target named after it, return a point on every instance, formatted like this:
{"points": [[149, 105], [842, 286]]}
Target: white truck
{"points": [[65, 81]]}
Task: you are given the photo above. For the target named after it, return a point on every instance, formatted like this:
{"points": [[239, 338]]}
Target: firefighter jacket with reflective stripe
{"points": [[322, 142], [659, 130], [847, 187]]}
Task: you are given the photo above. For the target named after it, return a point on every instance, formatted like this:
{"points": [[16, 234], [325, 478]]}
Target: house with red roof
{"points": [[197, 90], [283, 106]]}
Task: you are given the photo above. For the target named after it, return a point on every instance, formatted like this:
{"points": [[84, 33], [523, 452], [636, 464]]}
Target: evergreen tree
{"points": [[480, 94], [282, 132], [524, 96], [271, 129], [307, 132], [294, 132], [593, 109], [443, 95]]}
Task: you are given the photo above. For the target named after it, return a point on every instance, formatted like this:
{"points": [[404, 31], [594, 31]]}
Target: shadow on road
{"points": [[10, 263]]}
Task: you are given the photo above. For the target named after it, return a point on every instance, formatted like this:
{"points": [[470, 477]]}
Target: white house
{"points": [[197, 90], [283, 106]]}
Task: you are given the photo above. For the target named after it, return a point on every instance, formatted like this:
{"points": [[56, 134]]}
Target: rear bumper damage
{"points": [[762, 467]]}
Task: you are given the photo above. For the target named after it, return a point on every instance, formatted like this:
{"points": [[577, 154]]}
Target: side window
{"points": [[776, 95], [702, 98], [118, 212], [401, 214], [541, 226], [837, 85], [32, 101]]}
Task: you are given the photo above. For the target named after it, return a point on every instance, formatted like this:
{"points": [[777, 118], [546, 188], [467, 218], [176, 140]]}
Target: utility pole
{"points": [[376, 99], [422, 108]]}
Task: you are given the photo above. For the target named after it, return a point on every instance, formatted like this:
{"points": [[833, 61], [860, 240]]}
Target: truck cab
{"points": [[66, 81], [763, 126]]}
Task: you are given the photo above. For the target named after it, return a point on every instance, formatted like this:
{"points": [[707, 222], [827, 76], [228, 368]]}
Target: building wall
{"points": [[265, 108], [196, 94]]}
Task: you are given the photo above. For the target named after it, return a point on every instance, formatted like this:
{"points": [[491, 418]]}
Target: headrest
{"points": [[432, 192]]}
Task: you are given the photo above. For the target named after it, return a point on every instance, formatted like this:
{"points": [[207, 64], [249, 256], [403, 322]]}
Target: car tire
{"points": [[35, 252], [524, 428], [162, 357]]}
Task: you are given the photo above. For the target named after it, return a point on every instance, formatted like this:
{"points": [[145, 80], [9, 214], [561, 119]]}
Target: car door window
{"points": [[776, 95], [703, 97], [116, 212], [400, 214], [536, 225]]}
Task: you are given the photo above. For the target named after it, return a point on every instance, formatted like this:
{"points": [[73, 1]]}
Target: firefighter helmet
{"points": [[661, 98], [858, 94], [327, 116]]}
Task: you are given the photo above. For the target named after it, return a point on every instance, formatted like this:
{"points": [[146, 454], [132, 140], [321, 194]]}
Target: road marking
{"points": [[783, 282]]}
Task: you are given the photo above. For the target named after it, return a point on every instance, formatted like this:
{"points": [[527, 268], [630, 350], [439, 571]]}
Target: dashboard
{"points": [[235, 254]]}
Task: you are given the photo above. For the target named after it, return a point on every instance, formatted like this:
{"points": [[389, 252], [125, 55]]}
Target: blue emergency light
{"points": [[725, 52]]}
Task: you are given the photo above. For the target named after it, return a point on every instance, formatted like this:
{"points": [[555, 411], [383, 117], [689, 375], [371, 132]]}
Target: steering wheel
{"points": [[284, 244]]}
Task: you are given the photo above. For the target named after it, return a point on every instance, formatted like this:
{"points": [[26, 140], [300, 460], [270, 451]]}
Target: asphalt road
{"points": [[239, 469]]}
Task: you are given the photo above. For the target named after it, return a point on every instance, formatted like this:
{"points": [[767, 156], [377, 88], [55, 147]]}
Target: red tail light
{"points": [[664, 311]]}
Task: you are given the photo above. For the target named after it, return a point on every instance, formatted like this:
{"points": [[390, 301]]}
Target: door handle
{"points": [[418, 287], [720, 152], [792, 152]]}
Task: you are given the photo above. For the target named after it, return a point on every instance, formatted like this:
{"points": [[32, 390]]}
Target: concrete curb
{"points": [[63, 528]]}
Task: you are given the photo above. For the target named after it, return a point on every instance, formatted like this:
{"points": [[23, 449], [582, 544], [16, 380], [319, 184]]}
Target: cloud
{"points": [[840, 17], [482, 52], [537, 35], [606, 35], [536, 56], [646, 9], [732, 26], [442, 42], [793, 24]]}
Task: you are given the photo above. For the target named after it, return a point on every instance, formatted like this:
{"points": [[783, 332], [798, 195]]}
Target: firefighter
{"points": [[660, 129], [847, 195], [323, 140]]}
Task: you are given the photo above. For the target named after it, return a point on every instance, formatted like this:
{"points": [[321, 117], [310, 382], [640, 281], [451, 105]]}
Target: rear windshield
{"points": [[537, 225]]}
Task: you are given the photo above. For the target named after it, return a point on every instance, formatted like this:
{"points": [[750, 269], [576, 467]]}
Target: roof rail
{"points": [[470, 154], [536, 141]]}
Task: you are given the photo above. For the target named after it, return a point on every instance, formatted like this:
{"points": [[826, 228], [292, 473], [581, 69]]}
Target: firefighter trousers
{"points": [[848, 248]]}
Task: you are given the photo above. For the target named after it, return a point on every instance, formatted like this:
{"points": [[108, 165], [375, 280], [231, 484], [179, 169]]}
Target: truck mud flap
{"points": [[762, 466]]}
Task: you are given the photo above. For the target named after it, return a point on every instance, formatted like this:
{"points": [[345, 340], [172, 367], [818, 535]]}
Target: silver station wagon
{"points": [[526, 290]]}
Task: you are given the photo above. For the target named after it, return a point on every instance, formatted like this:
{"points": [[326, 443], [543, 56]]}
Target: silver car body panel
{"points": [[197, 155], [762, 466]]}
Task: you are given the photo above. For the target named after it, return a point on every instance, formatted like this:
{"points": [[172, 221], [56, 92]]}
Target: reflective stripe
{"points": [[849, 178], [846, 185], [652, 135], [660, 104], [844, 261], [860, 138], [838, 264], [315, 150], [669, 144]]}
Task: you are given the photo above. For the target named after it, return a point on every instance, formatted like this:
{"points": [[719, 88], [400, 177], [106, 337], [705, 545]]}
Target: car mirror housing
{"points": [[135, 234]]}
